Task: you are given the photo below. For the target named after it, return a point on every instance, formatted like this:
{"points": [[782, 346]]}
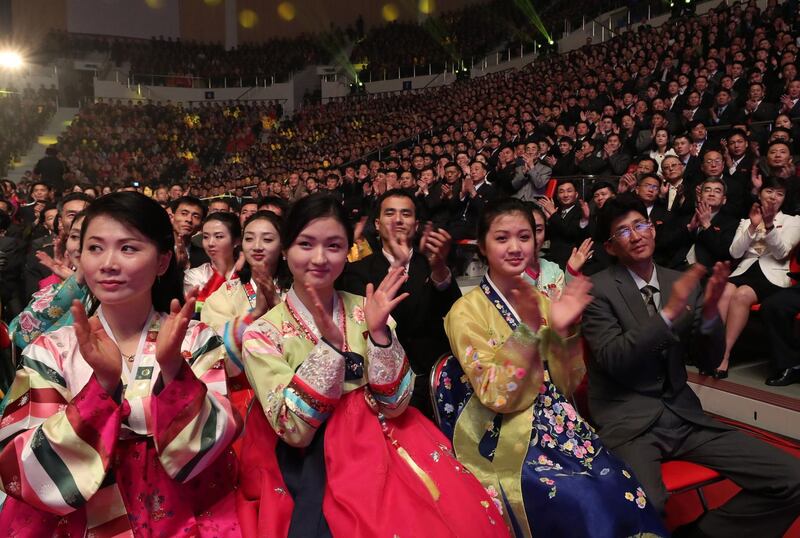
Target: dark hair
{"points": [[277, 201], [148, 218], [38, 182], [496, 208], [614, 208], [396, 193], [312, 207], [282, 275], [49, 206], [230, 221], [715, 180], [73, 196], [190, 201], [774, 182], [603, 184]]}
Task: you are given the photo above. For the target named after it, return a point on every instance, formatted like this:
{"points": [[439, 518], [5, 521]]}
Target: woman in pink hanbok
{"points": [[120, 424]]}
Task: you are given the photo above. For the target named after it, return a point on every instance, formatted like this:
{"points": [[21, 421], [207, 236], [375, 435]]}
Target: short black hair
{"points": [[397, 193], [613, 209], [190, 201]]}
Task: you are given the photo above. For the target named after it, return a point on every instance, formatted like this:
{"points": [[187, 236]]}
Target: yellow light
{"points": [[154, 4], [248, 18], [427, 6], [47, 140], [390, 12], [10, 59], [286, 11], [212, 3]]}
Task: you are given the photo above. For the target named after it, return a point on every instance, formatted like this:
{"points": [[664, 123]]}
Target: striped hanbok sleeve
{"points": [[297, 403], [391, 380], [57, 448], [193, 419]]}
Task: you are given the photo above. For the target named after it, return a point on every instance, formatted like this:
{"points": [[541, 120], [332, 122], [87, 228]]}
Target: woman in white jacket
{"points": [[762, 243]]}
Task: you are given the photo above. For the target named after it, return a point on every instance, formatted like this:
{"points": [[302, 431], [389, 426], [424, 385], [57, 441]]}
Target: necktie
{"points": [[648, 292]]}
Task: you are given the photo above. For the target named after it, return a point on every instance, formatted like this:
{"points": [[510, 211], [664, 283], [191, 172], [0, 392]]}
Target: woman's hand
{"points": [[59, 267], [97, 348], [755, 216], [580, 255], [324, 321], [525, 300], [237, 267], [380, 303], [171, 335], [566, 311], [267, 296]]}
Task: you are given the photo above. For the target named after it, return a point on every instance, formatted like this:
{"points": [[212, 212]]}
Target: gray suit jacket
{"points": [[638, 364], [528, 185]]}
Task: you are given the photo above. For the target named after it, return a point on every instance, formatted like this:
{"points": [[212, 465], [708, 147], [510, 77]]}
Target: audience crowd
{"points": [[644, 191], [23, 116]]}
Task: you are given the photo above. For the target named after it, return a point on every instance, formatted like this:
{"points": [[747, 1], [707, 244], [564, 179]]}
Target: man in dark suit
{"points": [[642, 325], [568, 226], [431, 285], [475, 193], [35, 272], [188, 214], [725, 111], [51, 170], [738, 170], [704, 237], [41, 194]]}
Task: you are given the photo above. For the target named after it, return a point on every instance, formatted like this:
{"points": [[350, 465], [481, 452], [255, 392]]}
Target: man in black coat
{"points": [[568, 226], [35, 272], [431, 286], [51, 170], [704, 237], [641, 326], [475, 193]]}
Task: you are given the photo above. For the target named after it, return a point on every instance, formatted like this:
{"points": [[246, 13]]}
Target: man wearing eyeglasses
{"points": [[704, 237], [641, 327]]}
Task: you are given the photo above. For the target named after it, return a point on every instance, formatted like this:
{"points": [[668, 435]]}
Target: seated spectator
{"points": [[762, 243], [38, 275], [188, 213], [532, 176], [475, 193], [342, 380], [547, 276], [49, 308], [87, 416], [739, 162], [431, 286], [568, 223], [222, 237], [660, 147], [703, 238], [640, 401], [492, 329]]}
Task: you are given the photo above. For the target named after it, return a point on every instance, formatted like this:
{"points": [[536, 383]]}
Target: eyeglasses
{"points": [[641, 228]]}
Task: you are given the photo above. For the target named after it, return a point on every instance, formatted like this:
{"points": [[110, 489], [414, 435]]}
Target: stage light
{"points": [[390, 12], [212, 3], [248, 18], [427, 6], [286, 11], [10, 59], [154, 4]]}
